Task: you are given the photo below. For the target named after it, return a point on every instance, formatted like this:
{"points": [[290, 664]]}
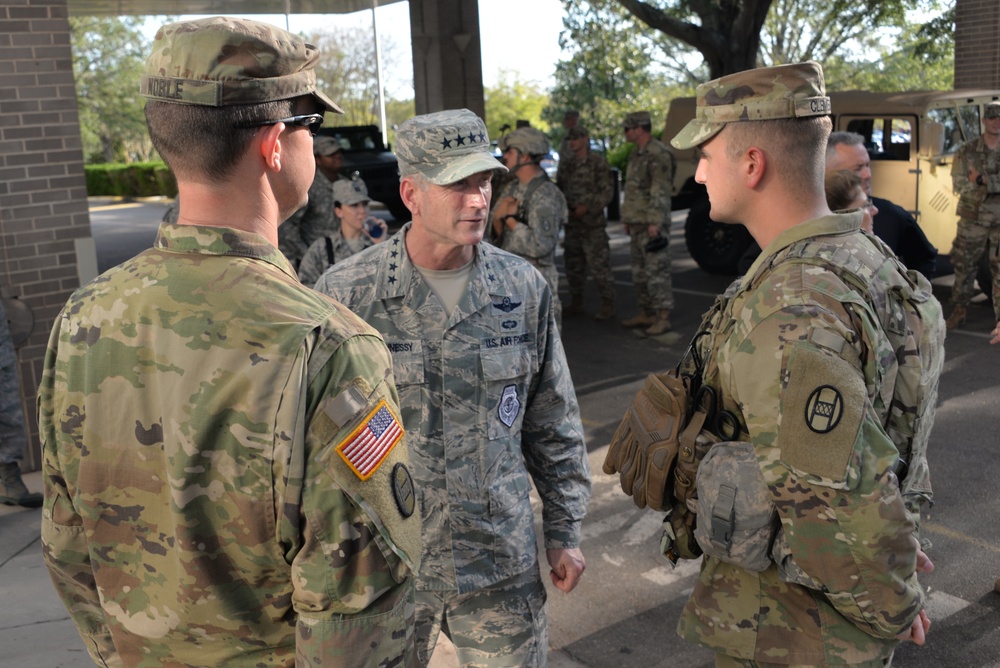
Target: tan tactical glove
{"points": [[645, 445]]}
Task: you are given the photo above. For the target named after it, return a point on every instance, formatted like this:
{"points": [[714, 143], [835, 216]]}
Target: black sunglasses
{"points": [[312, 121]]}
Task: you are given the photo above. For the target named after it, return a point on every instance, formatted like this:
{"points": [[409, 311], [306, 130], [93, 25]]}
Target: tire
{"points": [[983, 276], [717, 248]]}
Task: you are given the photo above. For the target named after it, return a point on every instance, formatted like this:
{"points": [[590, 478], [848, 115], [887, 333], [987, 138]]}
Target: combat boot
{"points": [[661, 324], [956, 319], [15, 493], [641, 320], [606, 312], [575, 306]]}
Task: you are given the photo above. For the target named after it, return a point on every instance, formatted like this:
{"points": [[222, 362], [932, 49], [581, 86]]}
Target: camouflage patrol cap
{"points": [[526, 140], [444, 147], [223, 61], [350, 191], [326, 145], [767, 93], [577, 132], [636, 119], [991, 110]]}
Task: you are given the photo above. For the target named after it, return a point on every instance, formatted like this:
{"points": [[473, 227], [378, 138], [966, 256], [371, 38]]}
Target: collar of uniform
{"points": [[207, 240], [397, 269], [835, 223]]}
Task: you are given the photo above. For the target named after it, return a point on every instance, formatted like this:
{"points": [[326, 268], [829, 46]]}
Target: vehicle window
{"points": [[970, 120], [948, 117], [885, 138]]}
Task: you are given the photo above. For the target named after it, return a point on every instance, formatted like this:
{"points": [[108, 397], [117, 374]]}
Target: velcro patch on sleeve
{"points": [[822, 409], [365, 448]]}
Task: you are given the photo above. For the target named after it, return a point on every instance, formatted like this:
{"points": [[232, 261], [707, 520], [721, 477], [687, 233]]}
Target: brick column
{"points": [[44, 222], [977, 44], [447, 55]]}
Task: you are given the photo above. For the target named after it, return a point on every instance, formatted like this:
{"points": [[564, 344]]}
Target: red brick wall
{"points": [[43, 196], [977, 44]]}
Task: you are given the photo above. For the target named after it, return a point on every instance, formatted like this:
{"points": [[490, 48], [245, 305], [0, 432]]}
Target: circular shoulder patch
{"points": [[403, 491], [824, 409]]}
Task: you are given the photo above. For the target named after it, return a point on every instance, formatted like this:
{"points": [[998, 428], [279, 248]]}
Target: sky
{"points": [[520, 36]]}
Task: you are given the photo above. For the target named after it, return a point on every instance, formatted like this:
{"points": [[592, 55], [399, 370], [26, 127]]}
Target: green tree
{"points": [[108, 59], [612, 69], [513, 99]]}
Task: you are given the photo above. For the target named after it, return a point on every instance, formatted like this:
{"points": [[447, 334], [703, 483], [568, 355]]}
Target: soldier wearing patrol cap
{"points": [[815, 560], [487, 400], [317, 218], [975, 175], [645, 211], [358, 230], [530, 210], [226, 480]]}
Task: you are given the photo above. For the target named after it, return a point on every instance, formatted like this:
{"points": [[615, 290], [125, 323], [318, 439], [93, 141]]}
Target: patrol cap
{"points": [[444, 147], [526, 140], [350, 191], [577, 132], [767, 93], [991, 110], [326, 145], [223, 61], [636, 119]]}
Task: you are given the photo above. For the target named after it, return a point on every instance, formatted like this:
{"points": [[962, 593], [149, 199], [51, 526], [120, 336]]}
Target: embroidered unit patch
{"points": [[509, 406], [368, 445]]}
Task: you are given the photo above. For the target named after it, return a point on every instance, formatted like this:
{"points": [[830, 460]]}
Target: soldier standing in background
{"points": [[226, 482], [487, 399], [825, 571], [585, 180], [975, 175], [317, 218], [530, 210], [13, 437], [646, 214], [570, 120]]}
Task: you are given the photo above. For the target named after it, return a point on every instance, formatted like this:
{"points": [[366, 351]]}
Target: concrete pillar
{"points": [[44, 222], [447, 55], [977, 44]]}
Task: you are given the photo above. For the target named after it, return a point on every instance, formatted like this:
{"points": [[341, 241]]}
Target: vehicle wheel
{"points": [[984, 278], [716, 248]]}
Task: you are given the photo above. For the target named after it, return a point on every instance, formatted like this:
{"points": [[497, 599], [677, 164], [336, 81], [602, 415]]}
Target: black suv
{"points": [[374, 162]]}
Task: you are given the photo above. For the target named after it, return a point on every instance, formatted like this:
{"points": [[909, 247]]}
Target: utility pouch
{"points": [[737, 519]]}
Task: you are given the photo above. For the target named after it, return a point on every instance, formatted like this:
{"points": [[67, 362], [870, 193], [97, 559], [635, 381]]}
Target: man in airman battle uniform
{"points": [[487, 400], [828, 575], [317, 218], [226, 480]]}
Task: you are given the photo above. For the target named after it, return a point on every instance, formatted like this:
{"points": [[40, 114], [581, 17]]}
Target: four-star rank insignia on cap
{"points": [[368, 445]]}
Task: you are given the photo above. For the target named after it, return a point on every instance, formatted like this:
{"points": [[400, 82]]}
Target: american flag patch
{"points": [[368, 445]]}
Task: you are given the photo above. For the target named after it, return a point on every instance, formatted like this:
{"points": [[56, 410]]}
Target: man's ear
{"points": [[407, 193], [270, 146], [753, 165]]}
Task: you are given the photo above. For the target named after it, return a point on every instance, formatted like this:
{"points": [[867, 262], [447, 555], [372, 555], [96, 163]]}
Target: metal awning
{"points": [[210, 7]]}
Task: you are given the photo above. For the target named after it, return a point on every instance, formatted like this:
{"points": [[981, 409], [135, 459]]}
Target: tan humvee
{"points": [[911, 137]]}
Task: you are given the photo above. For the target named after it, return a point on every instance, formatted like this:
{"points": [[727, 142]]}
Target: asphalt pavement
{"points": [[624, 612]]}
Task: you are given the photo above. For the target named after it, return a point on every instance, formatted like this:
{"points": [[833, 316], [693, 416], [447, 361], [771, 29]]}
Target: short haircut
{"points": [[200, 142], [842, 188], [795, 146], [845, 138]]}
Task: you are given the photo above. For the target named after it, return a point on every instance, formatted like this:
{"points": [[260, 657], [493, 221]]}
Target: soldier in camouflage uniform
{"points": [[585, 179], [13, 438], [531, 210], [646, 214], [351, 204], [226, 482], [800, 359], [317, 218], [975, 174], [487, 399]]}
